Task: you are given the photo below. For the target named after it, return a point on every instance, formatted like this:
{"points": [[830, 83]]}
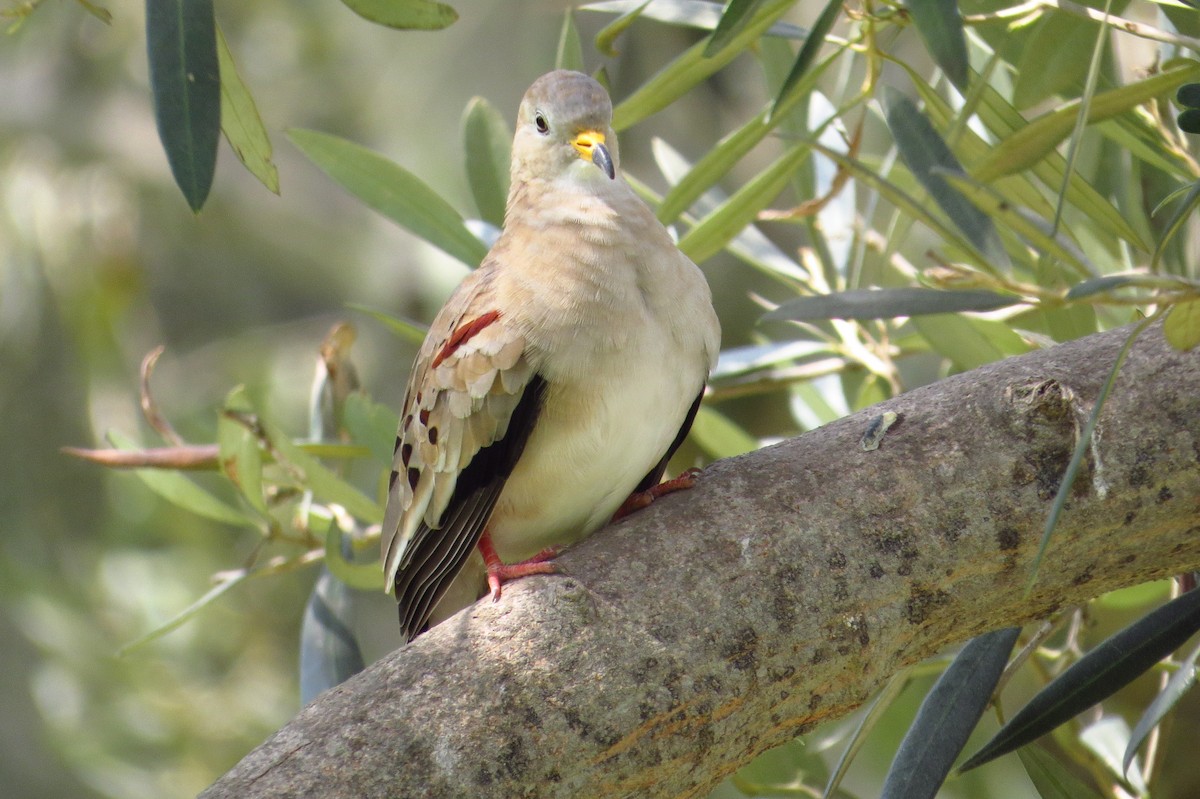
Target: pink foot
{"points": [[499, 572], [640, 499]]}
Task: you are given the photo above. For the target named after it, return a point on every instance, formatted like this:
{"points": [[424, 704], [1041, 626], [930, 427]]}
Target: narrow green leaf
{"points": [[405, 14], [488, 143], [699, 14], [814, 408], [182, 492], [1106, 739], [1099, 285], [870, 719], [749, 245], [888, 303], [865, 389], [404, 328], [1097, 675], [905, 203], [1137, 134], [1176, 688], [1060, 323], [1180, 191], [327, 451], [1136, 598], [607, 36], [734, 19], [602, 77], [329, 651], [969, 342], [711, 168], [181, 41], [719, 436], [718, 228], [179, 619], [569, 54], [929, 159], [239, 451], [392, 191], [941, 26], [1036, 232], [970, 147], [99, 12], [372, 424], [1182, 325], [363, 576], [807, 55], [1182, 214], [241, 123], [1054, 59], [776, 59], [1002, 119], [743, 360], [1038, 138], [324, 484], [947, 716], [690, 68], [717, 162], [1052, 779], [1081, 118]]}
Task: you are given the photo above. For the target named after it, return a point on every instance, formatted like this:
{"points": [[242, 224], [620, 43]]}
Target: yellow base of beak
{"points": [[590, 144]]}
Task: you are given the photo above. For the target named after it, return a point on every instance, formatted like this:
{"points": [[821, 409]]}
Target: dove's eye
{"points": [[539, 121]]}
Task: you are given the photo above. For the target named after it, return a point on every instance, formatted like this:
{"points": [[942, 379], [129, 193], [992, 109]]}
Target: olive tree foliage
{"points": [[888, 194]]}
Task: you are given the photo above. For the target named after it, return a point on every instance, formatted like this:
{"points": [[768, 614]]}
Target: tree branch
{"points": [[778, 594]]}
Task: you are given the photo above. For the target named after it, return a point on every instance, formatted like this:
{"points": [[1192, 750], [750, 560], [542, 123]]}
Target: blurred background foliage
{"points": [[101, 260]]}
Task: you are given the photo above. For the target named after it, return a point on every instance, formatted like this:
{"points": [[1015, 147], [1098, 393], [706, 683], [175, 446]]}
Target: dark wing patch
{"points": [[436, 556], [654, 476]]}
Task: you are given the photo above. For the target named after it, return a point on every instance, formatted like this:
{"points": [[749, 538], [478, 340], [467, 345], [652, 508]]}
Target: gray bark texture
{"points": [[776, 595]]}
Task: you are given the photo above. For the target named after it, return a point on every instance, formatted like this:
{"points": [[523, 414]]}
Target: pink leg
{"points": [[499, 572], [640, 499]]}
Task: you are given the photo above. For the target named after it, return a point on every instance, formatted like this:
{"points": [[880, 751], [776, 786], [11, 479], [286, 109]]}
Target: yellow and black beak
{"points": [[590, 144]]}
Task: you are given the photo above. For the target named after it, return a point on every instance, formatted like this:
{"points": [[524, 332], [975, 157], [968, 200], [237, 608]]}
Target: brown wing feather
{"points": [[439, 556], [458, 438], [434, 557]]}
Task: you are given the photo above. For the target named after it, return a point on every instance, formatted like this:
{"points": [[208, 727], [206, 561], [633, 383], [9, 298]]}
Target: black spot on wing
{"points": [[436, 556]]}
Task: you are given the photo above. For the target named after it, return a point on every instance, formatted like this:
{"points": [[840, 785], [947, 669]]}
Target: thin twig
{"points": [[193, 457]]}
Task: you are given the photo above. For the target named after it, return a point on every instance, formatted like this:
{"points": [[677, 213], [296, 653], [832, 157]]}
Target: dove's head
{"points": [[564, 128]]}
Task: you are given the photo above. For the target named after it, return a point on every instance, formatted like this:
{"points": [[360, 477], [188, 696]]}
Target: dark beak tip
{"points": [[602, 159]]}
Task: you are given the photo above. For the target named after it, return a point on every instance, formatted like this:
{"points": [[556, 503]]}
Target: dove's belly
{"points": [[593, 443]]}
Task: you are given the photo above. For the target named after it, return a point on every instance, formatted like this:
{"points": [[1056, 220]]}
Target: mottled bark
{"points": [[777, 594]]}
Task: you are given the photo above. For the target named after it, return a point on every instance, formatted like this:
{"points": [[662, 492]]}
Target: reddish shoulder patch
{"points": [[462, 334]]}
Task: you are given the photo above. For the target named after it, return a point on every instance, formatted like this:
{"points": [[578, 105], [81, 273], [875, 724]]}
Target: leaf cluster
{"points": [[899, 217]]}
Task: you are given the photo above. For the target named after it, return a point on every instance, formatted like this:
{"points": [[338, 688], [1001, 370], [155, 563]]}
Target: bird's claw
{"points": [[499, 572], [640, 499]]}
